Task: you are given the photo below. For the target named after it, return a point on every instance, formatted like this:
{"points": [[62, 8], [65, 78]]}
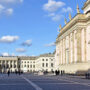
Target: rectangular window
{"points": [[51, 64], [42, 59], [46, 59], [31, 66], [51, 59], [46, 64], [42, 64]]}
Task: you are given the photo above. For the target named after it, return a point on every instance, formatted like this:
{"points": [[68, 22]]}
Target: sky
{"points": [[30, 27]]}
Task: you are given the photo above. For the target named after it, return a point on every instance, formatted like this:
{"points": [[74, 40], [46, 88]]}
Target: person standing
{"points": [[8, 73]]}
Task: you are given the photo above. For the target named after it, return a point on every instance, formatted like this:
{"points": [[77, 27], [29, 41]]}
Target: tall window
{"points": [[42, 64], [51, 64], [42, 59], [46, 64], [46, 59], [31, 66]]}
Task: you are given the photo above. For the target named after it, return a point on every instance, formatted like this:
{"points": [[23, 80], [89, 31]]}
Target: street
{"points": [[34, 82]]}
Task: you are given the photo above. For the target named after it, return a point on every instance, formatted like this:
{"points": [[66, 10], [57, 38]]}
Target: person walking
{"points": [[8, 73]]}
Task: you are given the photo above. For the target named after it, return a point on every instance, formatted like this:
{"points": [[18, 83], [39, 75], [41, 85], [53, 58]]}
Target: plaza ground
{"points": [[35, 82]]}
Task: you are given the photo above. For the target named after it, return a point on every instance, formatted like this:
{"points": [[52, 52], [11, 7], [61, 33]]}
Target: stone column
{"points": [[69, 50], [79, 45], [65, 51], [62, 51], [73, 47], [85, 44], [60, 54]]}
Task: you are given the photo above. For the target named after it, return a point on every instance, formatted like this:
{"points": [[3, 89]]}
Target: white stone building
{"points": [[45, 62], [73, 43], [27, 63], [8, 63]]}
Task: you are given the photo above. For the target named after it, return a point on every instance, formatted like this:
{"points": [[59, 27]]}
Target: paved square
{"points": [[34, 82]]}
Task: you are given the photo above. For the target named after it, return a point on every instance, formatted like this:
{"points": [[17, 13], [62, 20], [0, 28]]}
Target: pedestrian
{"points": [[61, 72], [56, 72], [16, 72], [8, 73], [19, 72]]}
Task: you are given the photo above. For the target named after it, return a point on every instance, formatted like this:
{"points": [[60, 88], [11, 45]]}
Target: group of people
{"points": [[16, 72], [87, 75], [57, 72]]}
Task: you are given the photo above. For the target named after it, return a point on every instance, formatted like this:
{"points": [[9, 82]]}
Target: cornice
{"points": [[79, 18], [86, 4]]}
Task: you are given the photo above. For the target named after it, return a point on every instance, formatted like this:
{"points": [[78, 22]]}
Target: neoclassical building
{"points": [[9, 63], [27, 63], [45, 62], [73, 43]]}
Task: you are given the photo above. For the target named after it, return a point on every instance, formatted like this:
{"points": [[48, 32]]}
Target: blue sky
{"points": [[30, 27]]}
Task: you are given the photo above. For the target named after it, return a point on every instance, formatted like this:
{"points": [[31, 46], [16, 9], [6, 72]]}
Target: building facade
{"points": [[9, 63], [73, 43], [27, 64], [43, 62]]}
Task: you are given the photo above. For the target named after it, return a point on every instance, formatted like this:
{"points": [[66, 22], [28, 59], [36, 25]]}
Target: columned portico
{"points": [[74, 46]]}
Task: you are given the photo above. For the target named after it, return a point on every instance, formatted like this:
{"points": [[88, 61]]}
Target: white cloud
{"points": [[20, 50], [27, 43], [6, 9], [9, 11], [8, 39], [68, 9], [53, 5], [51, 14], [55, 9], [1, 7], [11, 1], [57, 17], [5, 54], [50, 44]]}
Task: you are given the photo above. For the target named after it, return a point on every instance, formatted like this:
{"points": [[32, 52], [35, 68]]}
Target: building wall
{"points": [[73, 45], [27, 64], [44, 64], [8, 63]]}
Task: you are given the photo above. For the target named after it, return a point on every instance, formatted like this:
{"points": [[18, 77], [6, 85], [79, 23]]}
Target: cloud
{"points": [[51, 14], [27, 43], [68, 9], [1, 8], [20, 50], [8, 39], [55, 9], [6, 9], [53, 5], [9, 11], [11, 1], [57, 17], [50, 44], [5, 54]]}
